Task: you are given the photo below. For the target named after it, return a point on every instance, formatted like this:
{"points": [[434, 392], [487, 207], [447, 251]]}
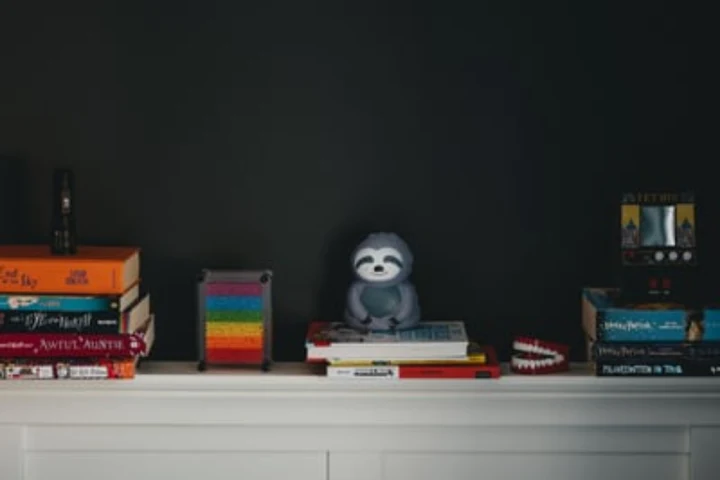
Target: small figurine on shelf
{"points": [[63, 237], [382, 298]]}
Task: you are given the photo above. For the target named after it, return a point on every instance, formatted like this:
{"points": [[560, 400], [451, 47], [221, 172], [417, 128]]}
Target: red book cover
{"points": [[39, 345], [449, 371]]}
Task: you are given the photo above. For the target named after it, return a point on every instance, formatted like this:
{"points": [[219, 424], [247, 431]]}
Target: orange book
{"points": [[94, 270]]}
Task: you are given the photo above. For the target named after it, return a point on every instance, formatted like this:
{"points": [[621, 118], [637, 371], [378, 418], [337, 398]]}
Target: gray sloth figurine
{"points": [[381, 298]]}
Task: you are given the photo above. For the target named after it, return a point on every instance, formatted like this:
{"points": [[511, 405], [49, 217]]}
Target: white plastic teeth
{"points": [[551, 356], [532, 348], [535, 363]]}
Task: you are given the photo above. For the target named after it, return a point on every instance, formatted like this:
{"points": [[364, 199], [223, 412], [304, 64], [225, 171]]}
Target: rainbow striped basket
{"points": [[235, 318]]}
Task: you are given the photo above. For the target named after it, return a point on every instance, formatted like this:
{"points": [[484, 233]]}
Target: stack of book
{"points": [[80, 316], [430, 350], [652, 339]]}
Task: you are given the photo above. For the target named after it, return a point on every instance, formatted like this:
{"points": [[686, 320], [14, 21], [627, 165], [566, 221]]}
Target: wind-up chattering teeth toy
{"points": [[532, 356]]}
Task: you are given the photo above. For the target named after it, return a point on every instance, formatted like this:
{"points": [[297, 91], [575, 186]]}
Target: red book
{"points": [[449, 371], [39, 345]]}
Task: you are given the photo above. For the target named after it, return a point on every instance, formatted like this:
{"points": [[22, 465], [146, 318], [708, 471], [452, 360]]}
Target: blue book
{"points": [[605, 320], [69, 303]]}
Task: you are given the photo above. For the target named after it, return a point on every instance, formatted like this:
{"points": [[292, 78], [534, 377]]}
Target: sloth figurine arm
{"points": [[408, 311], [356, 314], [381, 298]]}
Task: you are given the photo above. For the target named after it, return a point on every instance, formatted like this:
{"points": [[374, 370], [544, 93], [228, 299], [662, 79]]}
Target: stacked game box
{"points": [[80, 316], [658, 321], [430, 350]]}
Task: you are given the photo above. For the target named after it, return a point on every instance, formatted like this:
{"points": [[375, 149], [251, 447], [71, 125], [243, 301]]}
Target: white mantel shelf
{"points": [[295, 423], [297, 376]]}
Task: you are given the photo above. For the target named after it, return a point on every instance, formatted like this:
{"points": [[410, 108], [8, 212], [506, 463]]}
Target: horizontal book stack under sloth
{"points": [[430, 350], [80, 316]]}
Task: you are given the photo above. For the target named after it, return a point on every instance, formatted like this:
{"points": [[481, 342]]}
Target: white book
{"points": [[390, 372], [338, 341]]}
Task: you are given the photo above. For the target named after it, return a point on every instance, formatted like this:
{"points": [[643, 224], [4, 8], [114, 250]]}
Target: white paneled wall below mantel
{"points": [[172, 422]]}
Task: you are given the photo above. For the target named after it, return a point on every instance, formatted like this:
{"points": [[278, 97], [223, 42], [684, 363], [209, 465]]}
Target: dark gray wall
{"points": [[14, 179], [494, 138]]}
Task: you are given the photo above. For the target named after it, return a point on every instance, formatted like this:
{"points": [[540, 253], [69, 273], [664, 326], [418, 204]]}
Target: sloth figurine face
{"points": [[378, 265], [381, 298]]}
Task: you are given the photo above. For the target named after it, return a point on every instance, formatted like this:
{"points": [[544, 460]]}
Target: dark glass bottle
{"points": [[63, 239]]}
